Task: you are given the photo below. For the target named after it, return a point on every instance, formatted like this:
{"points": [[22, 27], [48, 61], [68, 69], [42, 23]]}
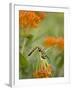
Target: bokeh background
{"points": [[52, 25]]}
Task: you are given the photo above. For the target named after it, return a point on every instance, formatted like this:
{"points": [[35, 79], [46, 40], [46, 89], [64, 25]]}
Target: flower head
{"points": [[60, 42], [29, 18], [51, 41], [45, 70], [41, 15]]}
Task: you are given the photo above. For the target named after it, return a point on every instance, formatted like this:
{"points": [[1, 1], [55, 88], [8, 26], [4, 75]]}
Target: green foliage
{"points": [[23, 63]]}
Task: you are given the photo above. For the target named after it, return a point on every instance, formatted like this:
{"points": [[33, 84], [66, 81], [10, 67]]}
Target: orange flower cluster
{"points": [[43, 71], [60, 42], [50, 41], [30, 18]]}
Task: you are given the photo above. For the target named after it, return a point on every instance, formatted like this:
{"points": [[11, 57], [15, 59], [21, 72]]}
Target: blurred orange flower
{"points": [[41, 15], [51, 41], [29, 18], [43, 71], [60, 42]]}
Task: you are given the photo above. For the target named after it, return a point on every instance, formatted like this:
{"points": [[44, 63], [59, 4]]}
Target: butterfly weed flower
{"points": [[51, 41], [44, 68], [60, 42], [29, 18], [27, 21], [41, 15]]}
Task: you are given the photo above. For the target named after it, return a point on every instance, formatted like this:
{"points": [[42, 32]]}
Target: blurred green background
{"points": [[51, 25]]}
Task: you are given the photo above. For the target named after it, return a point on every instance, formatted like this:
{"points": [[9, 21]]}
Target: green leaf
{"points": [[23, 63]]}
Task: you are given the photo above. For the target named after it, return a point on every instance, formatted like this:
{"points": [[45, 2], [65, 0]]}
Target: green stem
{"points": [[23, 45]]}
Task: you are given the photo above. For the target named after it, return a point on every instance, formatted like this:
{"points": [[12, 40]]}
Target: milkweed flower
{"points": [[60, 42], [29, 18], [41, 15], [45, 70], [51, 41], [43, 67]]}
